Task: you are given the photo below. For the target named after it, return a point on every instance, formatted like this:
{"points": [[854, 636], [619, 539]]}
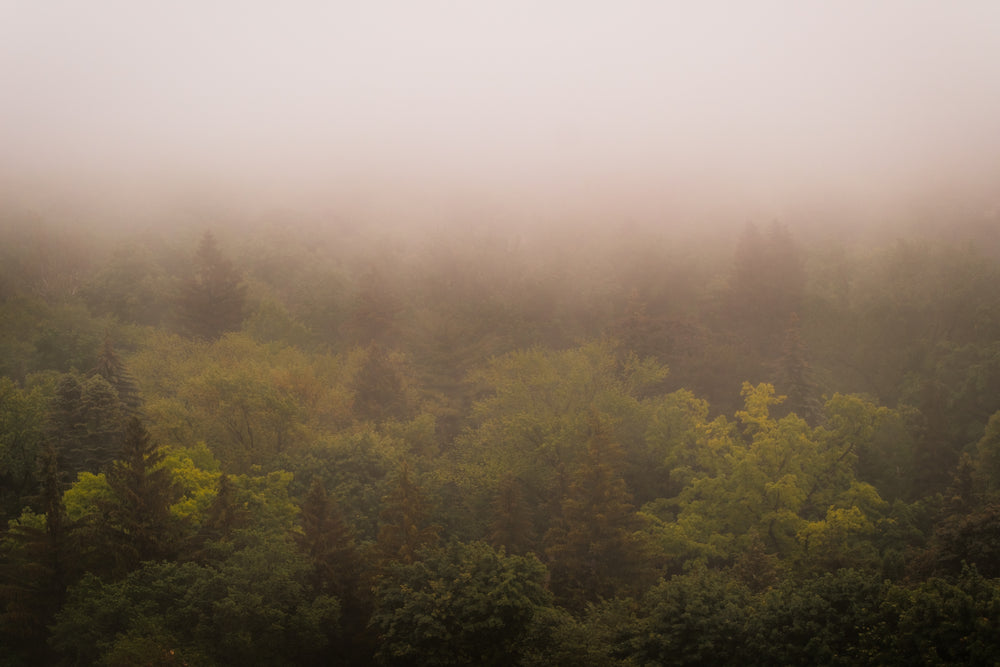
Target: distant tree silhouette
{"points": [[212, 299]]}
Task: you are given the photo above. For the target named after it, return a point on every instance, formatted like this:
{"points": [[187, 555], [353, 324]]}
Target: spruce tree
{"points": [[110, 367], [329, 542], [38, 567], [592, 552], [212, 299], [86, 422], [138, 524], [511, 527], [403, 528]]}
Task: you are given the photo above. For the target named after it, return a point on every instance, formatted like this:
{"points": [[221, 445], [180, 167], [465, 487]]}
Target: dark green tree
{"points": [[512, 527], [137, 522], [38, 564], [592, 550], [403, 522], [692, 619], [111, 367], [86, 422], [794, 377], [465, 604], [328, 541], [379, 388], [22, 432], [251, 606], [374, 317], [212, 298]]}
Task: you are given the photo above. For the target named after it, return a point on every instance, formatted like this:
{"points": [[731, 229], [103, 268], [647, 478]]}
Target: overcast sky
{"points": [[641, 108]]}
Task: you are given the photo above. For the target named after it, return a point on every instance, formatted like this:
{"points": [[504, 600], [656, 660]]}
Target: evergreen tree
{"points": [[38, 568], [379, 391], [138, 525], [329, 542], [403, 528], [592, 551], [112, 368], [212, 299], [795, 379], [375, 312], [511, 527], [86, 422]]}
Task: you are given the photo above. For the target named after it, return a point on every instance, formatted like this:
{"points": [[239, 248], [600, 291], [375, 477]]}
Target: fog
{"points": [[667, 112]]}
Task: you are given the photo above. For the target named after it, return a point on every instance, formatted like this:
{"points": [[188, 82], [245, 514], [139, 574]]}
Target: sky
{"points": [[546, 109]]}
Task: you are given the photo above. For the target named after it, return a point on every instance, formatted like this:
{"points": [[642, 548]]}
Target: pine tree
{"points": [[403, 528], [43, 563], [138, 523], [212, 299], [592, 552], [511, 527], [375, 311], [112, 368], [329, 542], [379, 391], [795, 377], [86, 422]]}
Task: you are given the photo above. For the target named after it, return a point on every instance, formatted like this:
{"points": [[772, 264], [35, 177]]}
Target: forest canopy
{"points": [[270, 443]]}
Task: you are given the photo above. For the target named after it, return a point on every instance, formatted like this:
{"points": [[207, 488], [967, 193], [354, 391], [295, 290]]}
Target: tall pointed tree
{"points": [[403, 528], [35, 573], [138, 524], [795, 378], [592, 551], [86, 422], [329, 542], [511, 527], [212, 299], [111, 367]]}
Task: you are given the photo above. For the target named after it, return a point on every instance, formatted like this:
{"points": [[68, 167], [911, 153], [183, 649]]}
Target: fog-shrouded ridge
{"points": [[664, 112]]}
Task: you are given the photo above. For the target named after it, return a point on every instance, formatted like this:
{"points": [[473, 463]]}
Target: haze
{"points": [[662, 111]]}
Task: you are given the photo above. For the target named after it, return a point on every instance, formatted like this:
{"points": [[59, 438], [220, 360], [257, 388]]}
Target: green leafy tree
{"points": [[779, 480], [250, 606], [465, 604], [534, 421], [693, 619], [838, 618]]}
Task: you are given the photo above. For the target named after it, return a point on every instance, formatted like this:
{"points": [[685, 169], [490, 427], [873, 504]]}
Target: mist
{"points": [[665, 113]]}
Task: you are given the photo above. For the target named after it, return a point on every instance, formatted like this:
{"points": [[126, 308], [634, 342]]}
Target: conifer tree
{"points": [[795, 376], [592, 552], [138, 525], [403, 528], [375, 311], [224, 516], [44, 561], [112, 368], [511, 527], [86, 422], [379, 392], [212, 299], [329, 542]]}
